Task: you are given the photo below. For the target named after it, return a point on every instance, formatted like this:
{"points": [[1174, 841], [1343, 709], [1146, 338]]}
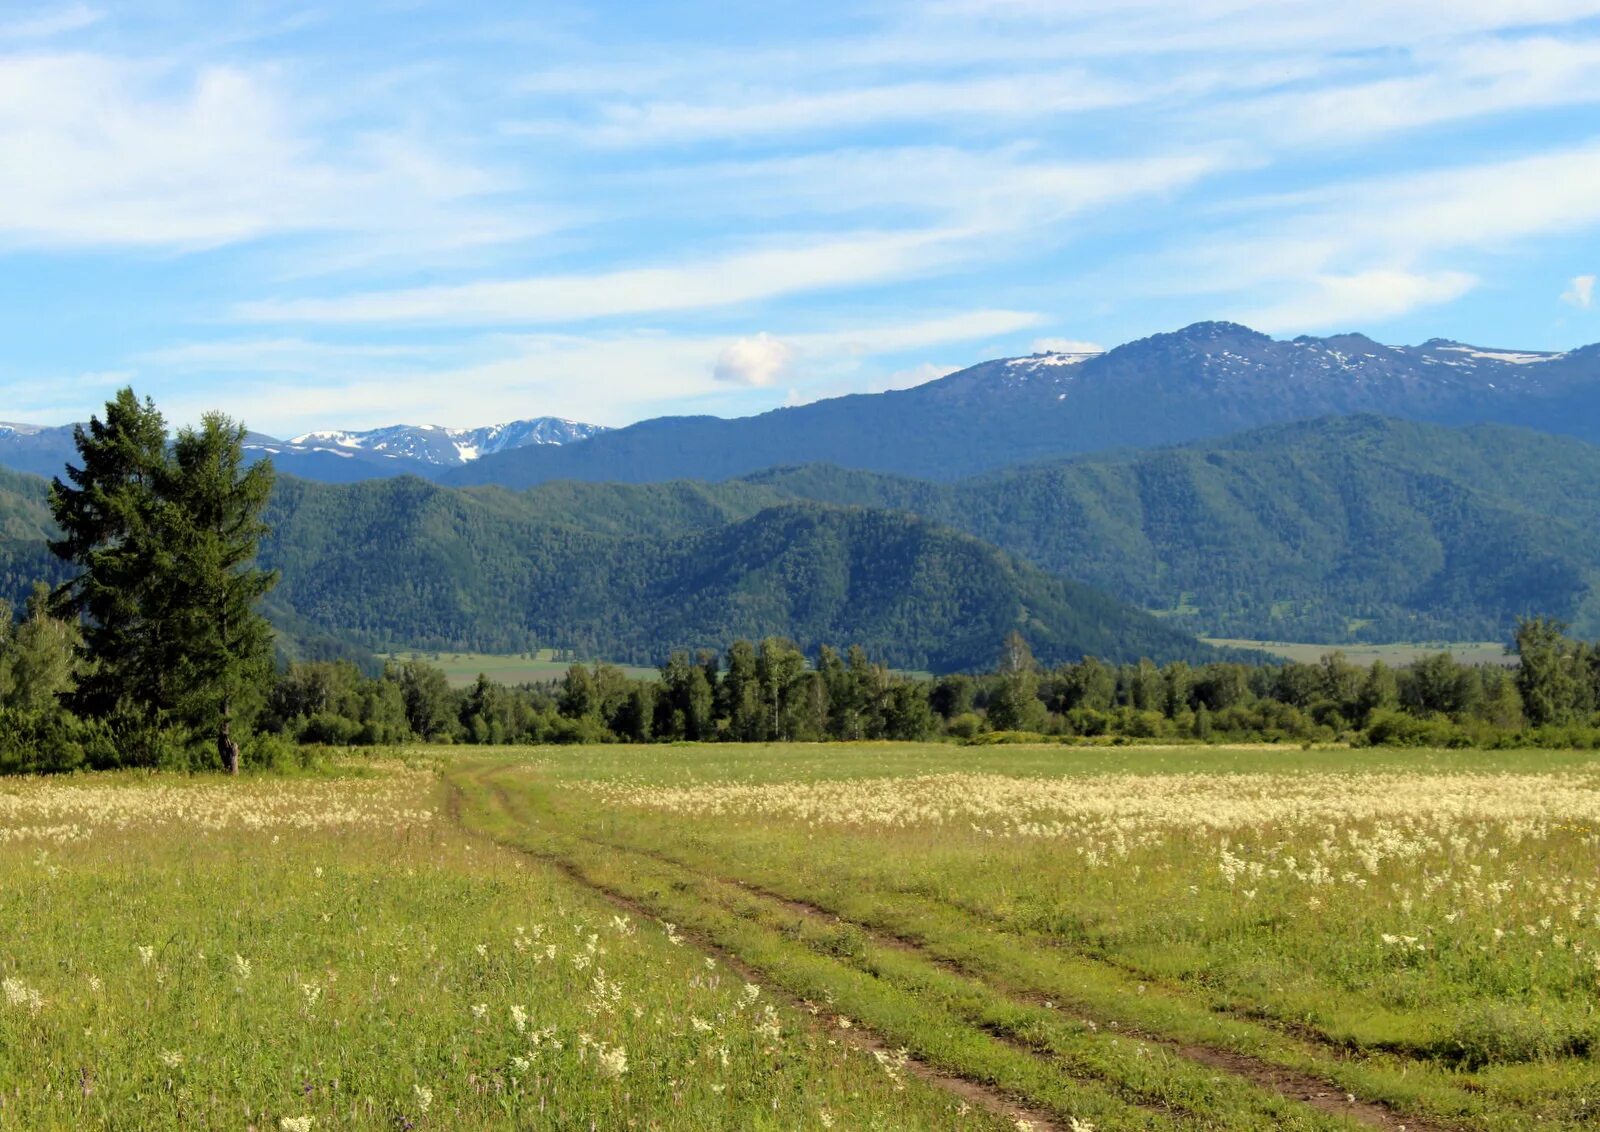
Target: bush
{"points": [[968, 725], [330, 730], [48, 742], [1492, 1033], [266, 752], [1389, 728]]}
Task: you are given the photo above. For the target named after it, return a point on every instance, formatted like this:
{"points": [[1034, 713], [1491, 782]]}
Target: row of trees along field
{"points": [[154, 655]]}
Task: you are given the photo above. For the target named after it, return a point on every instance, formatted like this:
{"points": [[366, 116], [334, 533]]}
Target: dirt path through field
{"points": [[1306, 1089]]}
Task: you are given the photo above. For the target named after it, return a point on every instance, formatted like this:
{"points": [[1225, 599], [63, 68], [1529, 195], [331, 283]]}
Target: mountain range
{"points": [[1207, 380], [1071, 495], [331, 455]]}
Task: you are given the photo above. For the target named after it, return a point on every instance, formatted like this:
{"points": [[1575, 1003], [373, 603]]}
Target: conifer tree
{"points": [[109, 515], [221, 647], [166, 543]]}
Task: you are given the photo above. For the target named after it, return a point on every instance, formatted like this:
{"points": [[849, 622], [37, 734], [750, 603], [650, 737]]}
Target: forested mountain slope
{"points": [[408, 563], [1354, 528], [1338, 529], [1331, 530], [1206, 380], [631, 573]]}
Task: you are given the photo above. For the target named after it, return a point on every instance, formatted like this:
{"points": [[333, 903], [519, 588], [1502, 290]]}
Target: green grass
{"points": [[1415, 929], [1467, 652], [1138, 938], [212, 954]]}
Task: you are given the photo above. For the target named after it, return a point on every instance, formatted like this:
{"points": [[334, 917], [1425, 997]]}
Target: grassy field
{"points": [[310, 954], [785, 937], [462, 668], [1467, 652], [1248, 938]]}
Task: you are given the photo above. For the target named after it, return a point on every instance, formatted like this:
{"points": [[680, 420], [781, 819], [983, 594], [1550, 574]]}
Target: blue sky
{"points": [[357, 214]]}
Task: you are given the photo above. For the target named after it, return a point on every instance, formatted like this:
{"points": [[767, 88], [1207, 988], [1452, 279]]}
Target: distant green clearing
{"points": [[462, 668], [1467, 652]]}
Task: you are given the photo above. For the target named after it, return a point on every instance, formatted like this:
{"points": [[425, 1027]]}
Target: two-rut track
{"points": [[1023, 1051]]}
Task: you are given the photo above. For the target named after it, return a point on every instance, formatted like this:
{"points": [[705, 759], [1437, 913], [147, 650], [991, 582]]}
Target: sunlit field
{"points": [[1198, 938], [336, 953], [889, 936]]}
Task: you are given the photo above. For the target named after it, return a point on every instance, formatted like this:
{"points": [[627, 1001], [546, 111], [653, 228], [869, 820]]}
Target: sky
{"points": [[380, 211]]}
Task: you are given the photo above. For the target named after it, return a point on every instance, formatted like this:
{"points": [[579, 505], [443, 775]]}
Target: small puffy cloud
{"points": [[760, 360], [1580, 293], [1066, 346]]}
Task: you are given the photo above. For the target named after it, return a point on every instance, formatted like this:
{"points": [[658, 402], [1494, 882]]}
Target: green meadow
{"points": [[871, 935]]}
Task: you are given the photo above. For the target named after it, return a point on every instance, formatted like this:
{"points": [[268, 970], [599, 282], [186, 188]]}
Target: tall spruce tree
{"points": [[221, 648], [109, 515], [165, 540]]}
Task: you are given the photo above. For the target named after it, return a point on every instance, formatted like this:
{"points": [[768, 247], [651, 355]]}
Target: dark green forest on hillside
{"points": [[639, 572], [632, 573], [1337, 530]]}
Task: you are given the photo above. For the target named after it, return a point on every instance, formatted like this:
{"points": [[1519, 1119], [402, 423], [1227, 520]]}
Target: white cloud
{"points": [[846, 260], [1379, 247], [992, 187], [1065, 346], [102, 151], [1449, 83], [760, 360], [1027, 96], [1363, 297], [976, 207], [1580, 293], [73, 17]]}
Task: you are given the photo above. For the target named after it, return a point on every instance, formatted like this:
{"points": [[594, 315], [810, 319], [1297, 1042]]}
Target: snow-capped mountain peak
{"points": [[449, 447]]}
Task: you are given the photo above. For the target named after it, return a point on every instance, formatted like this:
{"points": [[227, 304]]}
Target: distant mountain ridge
{"points": [[330, 455], [1206, 380]]}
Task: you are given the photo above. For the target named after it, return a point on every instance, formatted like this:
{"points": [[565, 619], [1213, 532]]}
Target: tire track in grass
{"points": [[1297, 1081], [1165, 1088], [970, 1091], [1293, 1085]]}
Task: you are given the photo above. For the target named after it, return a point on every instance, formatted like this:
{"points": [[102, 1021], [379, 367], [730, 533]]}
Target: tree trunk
{"points": [[226, 747]]}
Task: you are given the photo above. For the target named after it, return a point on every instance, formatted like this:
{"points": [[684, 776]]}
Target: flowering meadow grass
{"points": [[319, 953], [1135, 938]]}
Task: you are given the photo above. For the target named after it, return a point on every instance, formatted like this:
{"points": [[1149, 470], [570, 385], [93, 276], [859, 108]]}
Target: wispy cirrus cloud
{"points": [[102, 152], [50, 22], [1015, 197], [396, 204]]}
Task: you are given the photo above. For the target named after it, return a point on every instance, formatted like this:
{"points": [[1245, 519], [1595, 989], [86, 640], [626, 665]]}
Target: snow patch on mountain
{"points": [[450, 447]]}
